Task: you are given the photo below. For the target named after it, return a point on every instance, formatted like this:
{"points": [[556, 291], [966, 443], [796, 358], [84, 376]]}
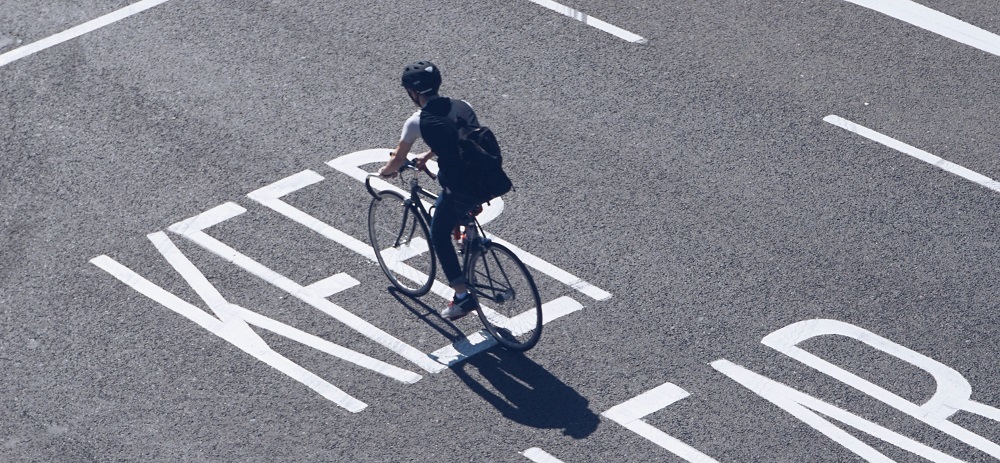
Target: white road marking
{"points": [[234, 321], [332, 285], [322, 345], [234, 330], [914, 152], [228, 312], [630, 413], [143, 5], [350, 164], [812, 411], [480, 341], [538, 455], [644, 404], [559, 274], [270, 197], [932, 20], [415, 247], [591, 21], [192, 230], [232, 313], [952, 394], [77, 31]]}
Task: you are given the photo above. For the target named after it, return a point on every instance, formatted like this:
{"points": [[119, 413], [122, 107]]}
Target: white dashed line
{"points": [[74, 32], [936, 22], [915, 152], [591, 21], [538, 455]]}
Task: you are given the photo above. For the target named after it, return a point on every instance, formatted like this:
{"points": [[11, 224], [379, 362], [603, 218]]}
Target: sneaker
{"points": [[459, 308]]}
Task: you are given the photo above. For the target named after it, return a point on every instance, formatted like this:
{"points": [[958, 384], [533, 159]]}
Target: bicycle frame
{"points": [[416, 204], [493, 272], [416, 191]]}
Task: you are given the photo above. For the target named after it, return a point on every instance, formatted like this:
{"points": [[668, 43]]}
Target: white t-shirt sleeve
{"points": [[411, 129]]}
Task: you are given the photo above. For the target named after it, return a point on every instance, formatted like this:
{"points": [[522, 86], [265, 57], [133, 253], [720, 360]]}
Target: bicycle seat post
{"points": [[471, 231]]}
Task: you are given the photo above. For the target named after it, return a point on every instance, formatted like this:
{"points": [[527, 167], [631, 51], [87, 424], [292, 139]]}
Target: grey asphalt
{"points": [[692, 177]]}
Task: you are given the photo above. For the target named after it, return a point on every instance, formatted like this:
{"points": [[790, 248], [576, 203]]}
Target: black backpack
{"points": [[482, 162], [469, 156]]}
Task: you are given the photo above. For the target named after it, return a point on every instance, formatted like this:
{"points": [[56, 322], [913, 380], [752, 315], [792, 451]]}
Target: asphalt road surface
{"points": [[767, 232]]}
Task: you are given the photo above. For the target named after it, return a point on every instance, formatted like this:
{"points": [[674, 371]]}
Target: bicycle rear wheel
{"points": [[511, 308], [401, 241]]}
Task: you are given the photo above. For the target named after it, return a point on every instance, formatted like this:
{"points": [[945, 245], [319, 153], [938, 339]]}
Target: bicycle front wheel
{"points": [[510, 306], [401, 241]]}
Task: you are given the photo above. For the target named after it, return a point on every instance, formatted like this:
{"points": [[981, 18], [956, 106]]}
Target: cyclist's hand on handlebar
{"points": [[387, 173], [421, 160], [389, 170]]}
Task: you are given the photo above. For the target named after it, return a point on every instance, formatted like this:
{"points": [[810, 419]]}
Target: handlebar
{"points": [[410, 164]]}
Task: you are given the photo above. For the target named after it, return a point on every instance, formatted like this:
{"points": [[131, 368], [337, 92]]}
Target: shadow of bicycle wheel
{"points": [[428, 315]]}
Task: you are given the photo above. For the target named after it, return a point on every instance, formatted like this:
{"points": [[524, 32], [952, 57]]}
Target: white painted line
{"points": [[630, 413], [914, 152], [816, 413], [559, 274], [322, 345], [983, 410], [415, 247], [952, 394], [270, 197], [239, 317], [538, 455], [231, 331], [464, 348], [332, 285], [350, 164], [590, 21], [192, 230], [77, 31], [939, 23], [646, 403], [480, 341], [668, 442]]}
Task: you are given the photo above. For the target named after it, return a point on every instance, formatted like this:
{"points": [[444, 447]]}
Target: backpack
{"points": [[469, 156], [482, 162]]}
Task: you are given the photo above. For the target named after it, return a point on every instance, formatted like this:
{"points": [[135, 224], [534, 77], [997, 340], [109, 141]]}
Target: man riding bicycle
{"points": [[422, 81]]}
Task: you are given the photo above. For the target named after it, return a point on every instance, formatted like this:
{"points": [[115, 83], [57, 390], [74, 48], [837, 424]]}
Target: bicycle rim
{"points": [[401, 242], [511, 308]]}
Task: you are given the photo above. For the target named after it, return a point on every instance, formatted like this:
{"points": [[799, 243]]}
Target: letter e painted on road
{"points": [[631, 412]]}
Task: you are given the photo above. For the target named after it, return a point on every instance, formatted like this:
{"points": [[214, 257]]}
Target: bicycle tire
{"points": [[401, 240], [504, 287]]}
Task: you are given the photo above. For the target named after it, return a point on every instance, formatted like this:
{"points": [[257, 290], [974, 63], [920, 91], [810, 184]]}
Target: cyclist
{"points": [[422, 81]]}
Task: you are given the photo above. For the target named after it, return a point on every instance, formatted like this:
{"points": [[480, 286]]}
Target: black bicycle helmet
{"points": [[422, 77]]}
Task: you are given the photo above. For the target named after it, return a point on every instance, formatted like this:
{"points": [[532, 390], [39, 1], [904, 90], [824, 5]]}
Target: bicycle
{"points": [[510, 306]]}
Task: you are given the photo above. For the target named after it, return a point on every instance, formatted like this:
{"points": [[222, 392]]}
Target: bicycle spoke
{"points": [[401, 242], [511, 307]]}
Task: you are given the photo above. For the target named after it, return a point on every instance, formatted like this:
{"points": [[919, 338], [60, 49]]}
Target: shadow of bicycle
{"points": [[428, 314], [522, 390], [525, 392]]}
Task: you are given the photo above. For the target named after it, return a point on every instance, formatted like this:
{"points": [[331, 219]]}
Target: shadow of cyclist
{"points": [[515, 385], [525, 392]]}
